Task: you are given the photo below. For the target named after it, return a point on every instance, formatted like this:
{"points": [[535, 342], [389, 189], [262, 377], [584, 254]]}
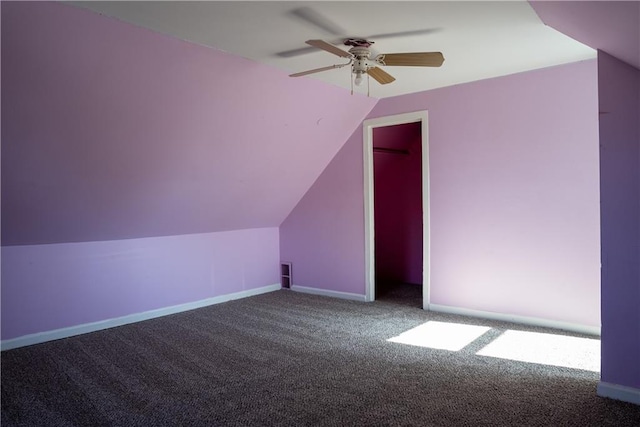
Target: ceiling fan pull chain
{"points": [[368, 86]]}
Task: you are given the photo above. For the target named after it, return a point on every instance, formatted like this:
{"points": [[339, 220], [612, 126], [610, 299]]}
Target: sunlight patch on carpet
{"points": [[546, 349], [441, 335]]}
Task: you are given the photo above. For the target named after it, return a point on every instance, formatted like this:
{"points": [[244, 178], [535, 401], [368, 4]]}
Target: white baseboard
{"points": [[328, 293], [619, 392], [131, 318], [532, 321]]}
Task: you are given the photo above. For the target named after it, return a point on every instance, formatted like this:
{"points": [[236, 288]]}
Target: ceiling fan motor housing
{"points": [[361, 61]]}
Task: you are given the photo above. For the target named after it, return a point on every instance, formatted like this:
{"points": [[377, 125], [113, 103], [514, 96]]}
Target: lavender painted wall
{"points": [[614, 29], [619, 97], [46, 287], [323, 236], [140, 171], [113, 131], [514, 198], [398, 204]]}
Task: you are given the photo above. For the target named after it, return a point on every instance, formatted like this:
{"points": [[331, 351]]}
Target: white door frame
{"points": [[369, 235]]}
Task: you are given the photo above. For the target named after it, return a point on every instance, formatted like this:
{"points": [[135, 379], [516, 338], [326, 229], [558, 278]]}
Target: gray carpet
{"points": [[289, 359], [409, 294]]}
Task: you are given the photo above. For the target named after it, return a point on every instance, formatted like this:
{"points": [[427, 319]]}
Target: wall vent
{"points": [[285, 275]]}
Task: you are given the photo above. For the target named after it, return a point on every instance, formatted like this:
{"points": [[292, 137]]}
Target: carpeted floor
{"points": [[409, 294], [290, 359]]}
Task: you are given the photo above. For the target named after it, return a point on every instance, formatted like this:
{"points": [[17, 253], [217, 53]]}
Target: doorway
{"points": [[396, 193], [397, 205]]}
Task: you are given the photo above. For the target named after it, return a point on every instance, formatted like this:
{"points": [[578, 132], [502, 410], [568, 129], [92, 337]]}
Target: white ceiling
{"points": [[478, 39]]}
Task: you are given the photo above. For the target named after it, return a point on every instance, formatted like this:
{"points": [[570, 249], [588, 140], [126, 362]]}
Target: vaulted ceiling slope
{"points": [[112, 131], [479, 39], [611, 26]]}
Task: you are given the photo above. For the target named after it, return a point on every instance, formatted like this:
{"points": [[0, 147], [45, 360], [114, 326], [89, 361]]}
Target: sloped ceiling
{"points": [[479, 39], [111, 131], [611, 26]]}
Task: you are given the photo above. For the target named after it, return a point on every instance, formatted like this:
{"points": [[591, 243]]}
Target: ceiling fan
{"points": [[361, 63]]}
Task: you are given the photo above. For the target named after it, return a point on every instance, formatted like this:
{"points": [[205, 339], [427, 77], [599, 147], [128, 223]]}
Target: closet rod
{"points": [[390, 151]]}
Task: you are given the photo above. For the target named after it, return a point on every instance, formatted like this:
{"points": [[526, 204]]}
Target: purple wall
{"points": [[398, 204], [46, 287], [619, 97], [514, 198], [128, 157], [614, 28], [114, 132], [324, 235]]}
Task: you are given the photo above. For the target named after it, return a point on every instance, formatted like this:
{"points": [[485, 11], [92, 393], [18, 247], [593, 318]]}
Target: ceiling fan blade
{"points": [[297, 52], [404, 34], [317, 70], [417, 59], [304, 50], [316, 18], [380, 75], [321, 44]]}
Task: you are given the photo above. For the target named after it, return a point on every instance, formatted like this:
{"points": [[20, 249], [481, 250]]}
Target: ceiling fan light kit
{"points": [[361, 63]]}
